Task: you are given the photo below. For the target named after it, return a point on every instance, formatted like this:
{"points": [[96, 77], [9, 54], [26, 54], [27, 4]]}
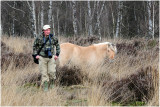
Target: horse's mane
{"points": [[110, 45]]}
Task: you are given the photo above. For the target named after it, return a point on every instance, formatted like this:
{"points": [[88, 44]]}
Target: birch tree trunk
{"points": [[118, 19], [38, 23], [33, 18], [99, 13], [85, 23], [90, 32], [97, 5], [53, 26], [74, 17], [58, 21], [13, 23], [153, 21], [150, 19], [121, 17], [65, 23], [42, 14], [113, 21], [80, 17], [50, 13], [136, 19]]}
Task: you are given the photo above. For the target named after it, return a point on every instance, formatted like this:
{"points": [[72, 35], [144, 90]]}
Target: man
{"points": [[47, 57]]}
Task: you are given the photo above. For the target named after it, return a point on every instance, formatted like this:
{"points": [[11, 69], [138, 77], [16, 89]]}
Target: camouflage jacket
{"points": [[40, 40]]}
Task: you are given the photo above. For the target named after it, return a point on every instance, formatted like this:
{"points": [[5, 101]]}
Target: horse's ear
{"points": [[113, 47], [109, 45]]}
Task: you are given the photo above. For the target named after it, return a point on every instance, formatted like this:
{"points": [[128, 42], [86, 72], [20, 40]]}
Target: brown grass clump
{"points": [[96, 96], [130, 48], [12, 51], [69, 76], [34, 79], [13, 96], [18, 44], [84, 41], [4, 47], [20, 60], [66, 76], [136, 87]]}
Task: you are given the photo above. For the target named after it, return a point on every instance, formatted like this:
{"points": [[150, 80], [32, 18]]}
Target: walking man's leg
{"points": [[52, 71], [43, 70]]}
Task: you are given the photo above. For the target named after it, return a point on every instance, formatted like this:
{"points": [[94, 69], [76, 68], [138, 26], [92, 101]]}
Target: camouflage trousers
{"points": [[47, 68]]}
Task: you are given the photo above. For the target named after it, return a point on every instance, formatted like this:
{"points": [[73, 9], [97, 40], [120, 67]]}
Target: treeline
{"points": [[74, 18]]}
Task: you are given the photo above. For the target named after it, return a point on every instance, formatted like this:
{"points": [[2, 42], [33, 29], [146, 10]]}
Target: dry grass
{"points": [[17, 96], [18, 44], [155, 99], [96, 96], [90, 89]]}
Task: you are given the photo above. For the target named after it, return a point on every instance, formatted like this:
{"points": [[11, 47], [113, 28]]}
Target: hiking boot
{"points": [[45, 86], [51, 86]]}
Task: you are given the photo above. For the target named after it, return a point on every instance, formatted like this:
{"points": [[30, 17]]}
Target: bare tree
{"points": [[74, 17], [118, 19], [90, 17], [80, 18], [99, 13], [150, 25], [50, 12], [33, 19], [13, 23], [65, 23], [58, 26], [42, 14], [153, 13], [153, 21], [53, 25], [113, 20]]}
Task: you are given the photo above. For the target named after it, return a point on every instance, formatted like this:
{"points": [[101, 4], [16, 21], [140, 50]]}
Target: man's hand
{"points": [[55, 57], [37, 57]]}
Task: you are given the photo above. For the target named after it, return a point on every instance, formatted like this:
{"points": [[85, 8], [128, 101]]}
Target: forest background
{"points": [[111, 19]]}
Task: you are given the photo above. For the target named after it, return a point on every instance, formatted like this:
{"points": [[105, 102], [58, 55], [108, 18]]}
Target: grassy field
{"points": [[131, 79]]}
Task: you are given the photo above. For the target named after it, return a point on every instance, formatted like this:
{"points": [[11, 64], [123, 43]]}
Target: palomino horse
{"points": [[78, 55]]}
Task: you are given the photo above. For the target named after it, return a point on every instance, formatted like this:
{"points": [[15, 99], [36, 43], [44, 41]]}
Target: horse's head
{"points": [[108, 48], [111, 50]]}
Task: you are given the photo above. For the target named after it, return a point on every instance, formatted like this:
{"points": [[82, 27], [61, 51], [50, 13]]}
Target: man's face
{"points": [[47, 32]]}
